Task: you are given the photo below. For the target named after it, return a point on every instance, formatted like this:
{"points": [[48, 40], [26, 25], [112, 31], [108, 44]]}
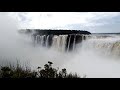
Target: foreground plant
{"points": [[47, 72]]}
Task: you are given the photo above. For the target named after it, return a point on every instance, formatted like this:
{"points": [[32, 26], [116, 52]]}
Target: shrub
{"points": [[47, 72]]}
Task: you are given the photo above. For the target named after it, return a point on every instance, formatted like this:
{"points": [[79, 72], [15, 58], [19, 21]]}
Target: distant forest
{"points": [[55, 31]]}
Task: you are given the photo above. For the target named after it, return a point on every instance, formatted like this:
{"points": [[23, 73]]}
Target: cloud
{"points": [[107, 23], [51, 19], [104, 18], [69, 20]]}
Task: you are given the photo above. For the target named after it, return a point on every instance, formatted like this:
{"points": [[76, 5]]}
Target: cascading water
{"points": [[106, 45], [68, 43], [98, 56], [47, 41], [95, 55], [74, 42], [54, 42], [59, 42]]}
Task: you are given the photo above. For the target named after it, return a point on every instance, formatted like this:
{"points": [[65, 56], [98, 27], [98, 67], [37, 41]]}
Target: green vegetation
{"points": [[47, 72]]}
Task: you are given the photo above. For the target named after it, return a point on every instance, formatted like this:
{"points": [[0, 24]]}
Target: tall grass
{"points": [[18, 71]]}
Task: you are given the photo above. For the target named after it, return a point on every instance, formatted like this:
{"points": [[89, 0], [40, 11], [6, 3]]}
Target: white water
{"points": [[47, 41], [98, 56], [58, 42], [95, 57], [74, 43]]}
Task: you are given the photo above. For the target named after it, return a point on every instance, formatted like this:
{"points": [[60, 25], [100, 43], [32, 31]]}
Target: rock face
{"points": [[64, 39]]}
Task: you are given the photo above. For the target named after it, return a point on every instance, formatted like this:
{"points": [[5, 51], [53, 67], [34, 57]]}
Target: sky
{"points": [[95, 22]]}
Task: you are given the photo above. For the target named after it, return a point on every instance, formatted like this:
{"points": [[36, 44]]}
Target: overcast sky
{"points": [[95, 22]]}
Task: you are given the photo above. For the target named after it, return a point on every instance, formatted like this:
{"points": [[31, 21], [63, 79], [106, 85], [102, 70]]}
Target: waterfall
{"points": [[64, 38], [82, 37], [42, 40], [38, 38], [61, 43], [74, 42], [54, 44], [104, 45], [47, 41], [68, 43], [91, 53]]}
